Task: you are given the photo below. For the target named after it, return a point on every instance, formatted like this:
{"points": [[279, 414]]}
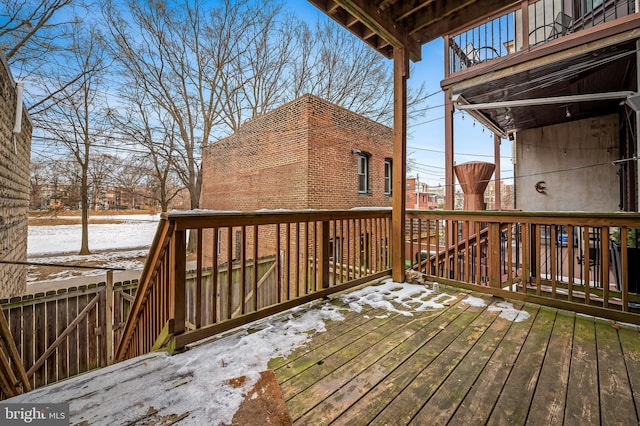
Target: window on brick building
{"points": [[388, 168], [363, 173]]}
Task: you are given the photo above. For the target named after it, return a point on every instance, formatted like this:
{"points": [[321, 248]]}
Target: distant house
{"points": [[419, 197], [15, 147]]}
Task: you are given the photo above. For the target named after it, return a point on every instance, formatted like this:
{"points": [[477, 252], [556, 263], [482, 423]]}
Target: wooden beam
{"points": [[442, 17], [383, 25], [400, 76]]}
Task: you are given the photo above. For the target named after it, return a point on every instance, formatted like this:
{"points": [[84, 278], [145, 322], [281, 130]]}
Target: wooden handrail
{"points": [[158, 247], [538, 257], [301, 270]]}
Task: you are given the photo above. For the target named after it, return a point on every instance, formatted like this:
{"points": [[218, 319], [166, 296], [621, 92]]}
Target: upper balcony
{"points": [[527, 26]]}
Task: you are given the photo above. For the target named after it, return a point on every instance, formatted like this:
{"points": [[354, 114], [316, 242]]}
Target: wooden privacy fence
{"points": [[301, 256], [63, 333], [586, 262]]}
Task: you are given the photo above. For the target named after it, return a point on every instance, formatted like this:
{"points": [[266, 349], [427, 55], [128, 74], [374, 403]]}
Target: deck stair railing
{"points": [[13, 377], [586, 262], [247, 266]]}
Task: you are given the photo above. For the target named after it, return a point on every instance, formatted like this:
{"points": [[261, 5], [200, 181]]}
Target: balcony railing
{"points": [[584, 262], [544, 21], [246, 266]]}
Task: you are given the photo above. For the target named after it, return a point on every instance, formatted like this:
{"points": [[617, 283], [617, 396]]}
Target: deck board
{"points": [[485, 391], [551, 390], [465, 364], [404, 407], [350, 392], [443, 404], [583, 401], [616, 401], [513, 404], [335, 371]]}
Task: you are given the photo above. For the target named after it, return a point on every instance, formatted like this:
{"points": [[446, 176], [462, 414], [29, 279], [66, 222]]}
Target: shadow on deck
{"points": [[465, 364]]}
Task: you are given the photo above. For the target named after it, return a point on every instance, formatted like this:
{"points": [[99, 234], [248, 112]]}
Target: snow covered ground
{"points": [[136, 231], [114, 245]]}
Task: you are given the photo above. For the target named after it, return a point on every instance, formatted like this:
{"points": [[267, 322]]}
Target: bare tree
{"points": [[101, 166], [77, 117], [150, 128], [180, 54], [36, 37]]}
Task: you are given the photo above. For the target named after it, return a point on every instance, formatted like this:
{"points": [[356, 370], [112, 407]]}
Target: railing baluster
{"points": [[624, 262], [585, 264], [254, 290], [278, 266], [214, 277], [297, 261], [553, 243], [287, 261], [198, 303], [243, 270], [605, 266], [179, 252], [229, 289], [572, 255]]}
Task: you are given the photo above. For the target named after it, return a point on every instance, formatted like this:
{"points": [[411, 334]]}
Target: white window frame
{"points": [[388, 176], [363, 173]]}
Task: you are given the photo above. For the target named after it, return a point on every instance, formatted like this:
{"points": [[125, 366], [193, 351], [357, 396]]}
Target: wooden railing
{"points": [[247, 266], [586, 262], [527, 25]]}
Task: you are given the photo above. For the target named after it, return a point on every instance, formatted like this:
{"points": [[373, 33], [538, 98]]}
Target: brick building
{"points": [[418, 196], [15, 153], [307, 154]]}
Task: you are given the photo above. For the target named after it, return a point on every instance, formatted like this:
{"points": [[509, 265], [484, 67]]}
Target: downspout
{"points": [[17, 127]]}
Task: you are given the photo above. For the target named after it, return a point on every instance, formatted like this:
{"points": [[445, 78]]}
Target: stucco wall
{"points": [[574, 160], [14, 189]]}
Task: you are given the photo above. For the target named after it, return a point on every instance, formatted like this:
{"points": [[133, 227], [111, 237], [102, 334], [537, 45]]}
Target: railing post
{"points": [[109, 321], [494, 255], [177, 284], [323, 255]]}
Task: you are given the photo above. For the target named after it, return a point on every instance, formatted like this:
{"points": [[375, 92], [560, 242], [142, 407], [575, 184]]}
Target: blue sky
{"points": [[426, 134]]}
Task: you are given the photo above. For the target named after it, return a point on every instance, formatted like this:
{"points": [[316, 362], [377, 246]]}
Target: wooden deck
{"points": [[465, 365]]}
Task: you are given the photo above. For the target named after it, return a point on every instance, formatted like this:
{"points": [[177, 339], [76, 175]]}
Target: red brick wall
{"points": [[14, 192], [298, 156]]}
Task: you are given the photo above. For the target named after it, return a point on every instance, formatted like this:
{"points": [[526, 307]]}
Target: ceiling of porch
{"points": [[385, 24], [607, 69]]}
